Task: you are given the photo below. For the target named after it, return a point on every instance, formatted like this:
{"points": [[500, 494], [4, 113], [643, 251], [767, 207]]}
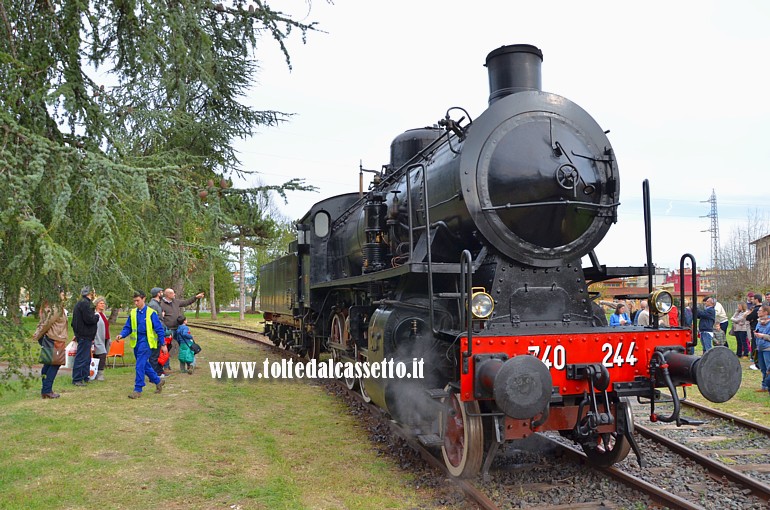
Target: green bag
{"points": [[46, 350]]}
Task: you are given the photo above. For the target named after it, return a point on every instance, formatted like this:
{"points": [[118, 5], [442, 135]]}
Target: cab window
{"points": [[321, 224]]}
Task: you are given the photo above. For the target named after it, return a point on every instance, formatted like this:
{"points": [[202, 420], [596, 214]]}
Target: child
{"points": [[186, 356]]}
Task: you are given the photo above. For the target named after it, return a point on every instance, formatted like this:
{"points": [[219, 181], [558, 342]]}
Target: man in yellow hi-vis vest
{"points": [[144, 329]]}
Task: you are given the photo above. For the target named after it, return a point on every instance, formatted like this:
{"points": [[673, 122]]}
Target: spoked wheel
{"points": [[611, 447], [463, 448], [337, 336], [351, 382], [336, 358], [362, 388]]}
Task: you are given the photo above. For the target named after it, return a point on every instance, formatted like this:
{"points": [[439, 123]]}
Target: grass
{"points": [[212, 444], [202, 443]]}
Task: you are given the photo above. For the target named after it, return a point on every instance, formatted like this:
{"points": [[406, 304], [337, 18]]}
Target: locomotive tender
{"points": [[466, 253]]}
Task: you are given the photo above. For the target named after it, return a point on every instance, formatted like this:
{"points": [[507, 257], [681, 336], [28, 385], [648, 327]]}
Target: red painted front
{"points": [[626, 354]]}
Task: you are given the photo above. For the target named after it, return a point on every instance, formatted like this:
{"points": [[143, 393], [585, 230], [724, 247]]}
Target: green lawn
{"points": [[202, 443]]}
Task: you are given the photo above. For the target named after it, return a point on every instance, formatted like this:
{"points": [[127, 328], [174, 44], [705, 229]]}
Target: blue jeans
{"points": [[705, 338], [764, 367], [143, 368], [49, 374], [742, 349], [82, 360]]}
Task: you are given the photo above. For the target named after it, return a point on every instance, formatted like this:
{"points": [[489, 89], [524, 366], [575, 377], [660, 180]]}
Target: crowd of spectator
{"points": [[750, 325], [151, 329]]}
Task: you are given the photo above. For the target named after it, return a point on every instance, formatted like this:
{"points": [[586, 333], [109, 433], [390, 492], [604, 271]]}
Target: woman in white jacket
{"points": [[741, 330], [102, 339]]}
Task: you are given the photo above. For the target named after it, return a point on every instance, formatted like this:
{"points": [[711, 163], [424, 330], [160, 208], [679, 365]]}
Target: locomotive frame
{"points": [[466, 252]]}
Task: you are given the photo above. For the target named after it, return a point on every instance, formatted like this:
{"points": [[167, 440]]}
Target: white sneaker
{"points": [[163, 376], [753, 367]]}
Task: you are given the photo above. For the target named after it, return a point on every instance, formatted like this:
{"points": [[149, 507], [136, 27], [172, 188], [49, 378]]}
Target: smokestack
{"points": [[512, 69]]}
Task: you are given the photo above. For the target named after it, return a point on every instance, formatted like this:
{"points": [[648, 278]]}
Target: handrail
{"points": [[648, 245], [466, 290], [408, 173], [426, 212], [694, 339]]}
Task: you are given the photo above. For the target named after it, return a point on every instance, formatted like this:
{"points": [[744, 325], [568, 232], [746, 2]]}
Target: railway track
{"points": [[506, 486], [726, 446]]}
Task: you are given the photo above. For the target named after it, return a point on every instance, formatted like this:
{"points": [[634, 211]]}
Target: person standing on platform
{"points": [[706, 318], [51, 334], [720, 323], [673, 316], [740, 329], [173, 309], [154, 303], [84, 322], [620, 317], [752, 317], [102, 339], [762, 334], [643, 317], [144, 328]]}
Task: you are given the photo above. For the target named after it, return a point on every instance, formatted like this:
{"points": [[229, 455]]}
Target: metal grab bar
{"points": [[694, 339], [466, 290]]}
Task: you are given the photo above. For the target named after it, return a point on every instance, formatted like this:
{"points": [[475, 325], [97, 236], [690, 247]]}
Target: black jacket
{"points": [[84, 320]]}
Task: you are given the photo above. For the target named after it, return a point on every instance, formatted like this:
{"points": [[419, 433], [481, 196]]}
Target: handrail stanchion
{"points": [[694, 339], [466, 290]]}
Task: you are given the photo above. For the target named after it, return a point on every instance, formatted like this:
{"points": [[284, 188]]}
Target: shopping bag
{"points": [[71, 350], [94, 369], [163, 357]]}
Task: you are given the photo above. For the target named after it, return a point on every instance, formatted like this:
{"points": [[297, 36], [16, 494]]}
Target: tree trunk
{"points": [[114, 315], [13, 309], [242, 280], [212, 300], [177, 273], [254, 301]]}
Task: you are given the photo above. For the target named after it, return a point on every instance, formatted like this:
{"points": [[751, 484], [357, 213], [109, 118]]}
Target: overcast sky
{"points": [[682, 87]]}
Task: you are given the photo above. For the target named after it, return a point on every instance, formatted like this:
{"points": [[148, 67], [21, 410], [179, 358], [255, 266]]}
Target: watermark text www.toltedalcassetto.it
{"points": [[330, 369]]}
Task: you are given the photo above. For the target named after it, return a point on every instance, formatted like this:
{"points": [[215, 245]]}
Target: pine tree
{"points": [[114, 115]]}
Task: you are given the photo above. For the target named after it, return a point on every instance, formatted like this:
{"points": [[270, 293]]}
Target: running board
{"points": [[430, 440], [437, 393]]}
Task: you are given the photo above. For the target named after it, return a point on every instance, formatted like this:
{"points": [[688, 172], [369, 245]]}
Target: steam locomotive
{"points": [[466, 253]]}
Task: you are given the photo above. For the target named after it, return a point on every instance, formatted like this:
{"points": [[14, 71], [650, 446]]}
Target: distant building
{"points": [[673, 278], [708, 281], [633, 287], [762, 254]]}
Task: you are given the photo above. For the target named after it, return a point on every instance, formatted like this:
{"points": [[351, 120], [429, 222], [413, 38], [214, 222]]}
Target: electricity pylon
{"points": [[714, 229]]}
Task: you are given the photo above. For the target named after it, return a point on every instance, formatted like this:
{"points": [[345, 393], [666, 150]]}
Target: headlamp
{"points": [[482, 304], [661, 302]]}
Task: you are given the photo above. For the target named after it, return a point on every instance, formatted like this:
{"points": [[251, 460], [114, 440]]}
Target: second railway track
{"points": [[528, 478]]}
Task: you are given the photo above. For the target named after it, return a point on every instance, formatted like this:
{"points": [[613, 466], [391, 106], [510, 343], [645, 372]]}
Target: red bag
{"points": [[168, 340], [163, 358]]}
